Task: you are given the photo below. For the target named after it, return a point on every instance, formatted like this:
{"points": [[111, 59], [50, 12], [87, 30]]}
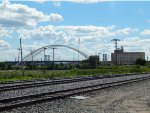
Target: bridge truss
{"points": [[36, 52]]}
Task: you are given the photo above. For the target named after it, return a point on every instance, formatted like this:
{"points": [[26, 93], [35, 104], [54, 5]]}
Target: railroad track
{"points": [[26, 100], [23, 85], [39, 83]]}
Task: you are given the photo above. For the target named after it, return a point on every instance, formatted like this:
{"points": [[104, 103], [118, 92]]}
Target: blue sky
{"points": [[95, 23]]}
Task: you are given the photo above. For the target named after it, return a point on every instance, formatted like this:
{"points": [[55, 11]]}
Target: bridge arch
{"points": [[38, 51]]}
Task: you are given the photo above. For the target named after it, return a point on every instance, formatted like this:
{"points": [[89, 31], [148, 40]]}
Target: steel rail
{"points": [[44, 83], [54, 82], [15, 102]]}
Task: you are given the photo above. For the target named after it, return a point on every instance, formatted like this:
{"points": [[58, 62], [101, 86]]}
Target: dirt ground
{"points": [[132, 98]]}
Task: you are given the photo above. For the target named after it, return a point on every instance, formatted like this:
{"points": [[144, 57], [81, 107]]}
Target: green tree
{"points": [[85, 64], [93, 61], [31, 66], [9, 67], [3, 66], [140, 61]]}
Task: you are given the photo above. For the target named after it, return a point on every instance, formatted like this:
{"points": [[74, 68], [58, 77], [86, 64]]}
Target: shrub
{"points": [[136, 66], [140, 61], [136, 70]]}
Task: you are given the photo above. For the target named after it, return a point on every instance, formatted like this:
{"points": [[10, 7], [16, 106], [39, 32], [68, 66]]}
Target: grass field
{"points": [[13, 75]]}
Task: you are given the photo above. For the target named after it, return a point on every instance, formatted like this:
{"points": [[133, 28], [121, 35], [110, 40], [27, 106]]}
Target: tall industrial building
{"points": [[126, 58]]}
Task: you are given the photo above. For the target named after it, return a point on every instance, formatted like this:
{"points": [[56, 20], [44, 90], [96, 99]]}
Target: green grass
{"points": [[37, 74]]}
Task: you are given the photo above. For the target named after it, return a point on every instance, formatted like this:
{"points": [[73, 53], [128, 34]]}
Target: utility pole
{"points": [[53, 53], [44, 53], [18, 53], [32, 55], [21, 57], [21, 50], [53, 65], [99, 58], [78, 47], [116, 43]]}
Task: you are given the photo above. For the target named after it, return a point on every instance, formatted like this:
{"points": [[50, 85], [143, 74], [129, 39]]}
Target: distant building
{"points": [[104, 57], [126, 58]]}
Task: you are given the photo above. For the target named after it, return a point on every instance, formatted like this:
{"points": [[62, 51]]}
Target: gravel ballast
{"points": [[51, 88], [128, 98]]}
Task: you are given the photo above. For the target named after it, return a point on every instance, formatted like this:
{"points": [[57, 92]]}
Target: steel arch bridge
{"points": [[38, 51]]}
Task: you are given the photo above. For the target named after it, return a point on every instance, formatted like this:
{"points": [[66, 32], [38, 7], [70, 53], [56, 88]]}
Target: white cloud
{"points": [[4, 32], [88, 32], [68, 34], [55, 17], [75, 1], [56, 3], [18, 15], [4, 45], [43, 33], [126, 31], [39, 1], [145, 32], [136, 44], [86, 1], [10, 55], [130, 42]]}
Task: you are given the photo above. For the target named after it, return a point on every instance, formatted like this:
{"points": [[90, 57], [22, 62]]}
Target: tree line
{"points": [[91, 63]]}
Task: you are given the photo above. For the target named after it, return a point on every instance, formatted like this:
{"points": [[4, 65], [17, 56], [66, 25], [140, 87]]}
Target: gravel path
{"points": [[129, 98]]}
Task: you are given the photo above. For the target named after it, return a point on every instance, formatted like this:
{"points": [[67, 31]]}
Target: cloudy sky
{"points": [[94, 22]]}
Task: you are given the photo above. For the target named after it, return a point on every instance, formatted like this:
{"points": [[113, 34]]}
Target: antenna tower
{"points": [[116, 44]]}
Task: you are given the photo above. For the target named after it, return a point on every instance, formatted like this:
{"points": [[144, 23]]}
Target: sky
{"points": [[89, 24]]}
